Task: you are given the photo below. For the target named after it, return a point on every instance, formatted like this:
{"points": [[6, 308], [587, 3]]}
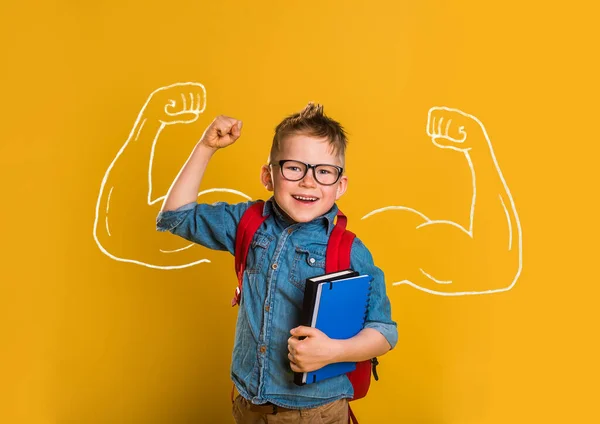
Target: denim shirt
{"points": [[281, 257]]}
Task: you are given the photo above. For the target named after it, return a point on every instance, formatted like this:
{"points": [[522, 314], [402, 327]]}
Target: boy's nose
{"points": [[309, 179]]}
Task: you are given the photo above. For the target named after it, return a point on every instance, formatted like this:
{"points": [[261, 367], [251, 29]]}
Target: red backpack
{"points": [[337, 258]]}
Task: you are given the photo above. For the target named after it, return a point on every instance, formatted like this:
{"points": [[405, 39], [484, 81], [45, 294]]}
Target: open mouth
{"points": [[305, 199]]}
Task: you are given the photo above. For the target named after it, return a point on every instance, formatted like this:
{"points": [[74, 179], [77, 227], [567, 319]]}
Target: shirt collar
{"points": [[271, 208]]}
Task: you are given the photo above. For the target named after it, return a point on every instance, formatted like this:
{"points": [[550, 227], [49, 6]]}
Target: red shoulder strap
{"points": [[250, 222], [337, 258], [339, 246]]}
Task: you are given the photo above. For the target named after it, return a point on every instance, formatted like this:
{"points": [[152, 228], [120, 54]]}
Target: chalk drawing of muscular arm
{"points": [[443, 257], [124, 225]]}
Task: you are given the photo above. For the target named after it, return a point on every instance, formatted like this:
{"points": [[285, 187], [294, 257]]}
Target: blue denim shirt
{"points": [[282, 256]]}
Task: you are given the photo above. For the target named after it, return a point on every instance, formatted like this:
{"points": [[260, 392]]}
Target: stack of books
{"points": [[337, 304]]}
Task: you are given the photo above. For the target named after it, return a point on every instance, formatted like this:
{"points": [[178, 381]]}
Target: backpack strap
{"points": [[337, 258], [251, 220], [351, 417], [339, 246]]}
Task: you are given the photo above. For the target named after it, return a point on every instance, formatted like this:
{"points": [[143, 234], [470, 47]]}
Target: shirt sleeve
{"points": [[379, 314], [210, 225]]}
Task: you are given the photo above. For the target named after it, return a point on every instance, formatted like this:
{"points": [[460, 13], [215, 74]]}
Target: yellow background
{"points": [[87, 339]]}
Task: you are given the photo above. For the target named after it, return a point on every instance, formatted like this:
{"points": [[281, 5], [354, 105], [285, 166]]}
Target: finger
{"points": [[169, 106], [463, 133], [430, 122], [225, 122], [428, 125], [303, 331], [198, 103], [293, 345], [295, 367], [183, 102], [447, 127], [439, 125], [230, 121], [222, 126], [433, 124], [192, 104], [236, 129]]}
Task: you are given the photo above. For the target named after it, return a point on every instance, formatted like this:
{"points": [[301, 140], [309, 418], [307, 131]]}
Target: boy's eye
{"points": [[324, 171]]}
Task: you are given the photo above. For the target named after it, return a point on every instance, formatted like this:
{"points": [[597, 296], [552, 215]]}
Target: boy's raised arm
{"points": [[222, 132]]}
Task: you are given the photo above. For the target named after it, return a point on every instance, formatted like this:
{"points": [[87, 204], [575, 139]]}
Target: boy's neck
{"points": [[282, 213]]}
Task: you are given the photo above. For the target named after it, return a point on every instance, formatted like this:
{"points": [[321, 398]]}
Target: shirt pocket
{"points": [[257, 253], [307, 263]]}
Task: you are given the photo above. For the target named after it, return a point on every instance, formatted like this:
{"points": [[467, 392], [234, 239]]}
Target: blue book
{"points": [[336, 304]]}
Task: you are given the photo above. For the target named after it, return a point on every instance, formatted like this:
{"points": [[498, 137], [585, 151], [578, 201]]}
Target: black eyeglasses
{"points": [[293, 170]]}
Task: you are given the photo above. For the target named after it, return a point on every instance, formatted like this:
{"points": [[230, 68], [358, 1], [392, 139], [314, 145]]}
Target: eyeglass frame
{"points": [[280, 163]]}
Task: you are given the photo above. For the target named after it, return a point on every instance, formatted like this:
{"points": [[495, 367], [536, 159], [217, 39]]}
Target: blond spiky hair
{"points": [[313, 122]]}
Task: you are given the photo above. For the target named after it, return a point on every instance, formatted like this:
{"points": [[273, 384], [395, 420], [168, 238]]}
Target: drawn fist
{"points": [[179, 103], [222, 132], [454, 129]]}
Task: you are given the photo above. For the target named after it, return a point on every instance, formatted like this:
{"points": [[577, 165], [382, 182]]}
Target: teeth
{"points": [[305, 198]]}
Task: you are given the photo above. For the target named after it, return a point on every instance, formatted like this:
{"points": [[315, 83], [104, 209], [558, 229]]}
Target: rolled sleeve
{"points": [[210, 225], [168, 220], [379, 314]]}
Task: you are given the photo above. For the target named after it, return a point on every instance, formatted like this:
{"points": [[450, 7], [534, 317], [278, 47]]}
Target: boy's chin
{"points": [[307, 216], [301, 216]]}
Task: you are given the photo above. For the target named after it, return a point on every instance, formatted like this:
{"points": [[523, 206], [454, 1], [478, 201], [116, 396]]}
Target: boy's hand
{"points": [[222, 132], [311, 353]]}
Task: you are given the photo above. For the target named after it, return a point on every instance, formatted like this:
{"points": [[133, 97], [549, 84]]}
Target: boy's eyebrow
{"points": [[308, 163]]}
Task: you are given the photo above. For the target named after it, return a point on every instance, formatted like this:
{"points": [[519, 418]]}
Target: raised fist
{"points": [[454, 129], [222, 132], [179, 103]]}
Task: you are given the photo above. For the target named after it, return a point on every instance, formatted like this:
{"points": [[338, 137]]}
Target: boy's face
{"points": [[309, 150]]}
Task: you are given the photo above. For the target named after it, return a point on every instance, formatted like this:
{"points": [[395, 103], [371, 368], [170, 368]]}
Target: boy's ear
{"points": [[265, 177], [342, 187]]}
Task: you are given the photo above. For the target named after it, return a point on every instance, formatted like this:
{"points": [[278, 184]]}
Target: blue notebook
{"points": [[336, 304]]}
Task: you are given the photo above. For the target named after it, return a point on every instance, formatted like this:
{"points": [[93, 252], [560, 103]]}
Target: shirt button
{"points": [[263, 349], [290, 230], [267, 308], [312, 260], [274, 266]]}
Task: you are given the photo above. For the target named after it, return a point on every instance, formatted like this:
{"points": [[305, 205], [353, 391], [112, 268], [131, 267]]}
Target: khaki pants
{"points": [[245, 412]]}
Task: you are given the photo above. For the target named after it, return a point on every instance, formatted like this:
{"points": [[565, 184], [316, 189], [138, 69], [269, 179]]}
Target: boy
{"points": [[305, 174]]}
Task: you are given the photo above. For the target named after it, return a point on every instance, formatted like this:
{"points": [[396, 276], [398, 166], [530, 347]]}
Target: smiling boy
{"points": [[305, 172]]}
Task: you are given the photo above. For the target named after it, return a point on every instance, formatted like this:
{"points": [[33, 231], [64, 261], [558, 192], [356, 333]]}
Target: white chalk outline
{"points": [[434, 130], [194, 108], [431, 124]]}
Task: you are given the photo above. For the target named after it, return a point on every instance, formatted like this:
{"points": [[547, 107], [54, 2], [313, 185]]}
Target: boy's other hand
{"points": [[222, 132], [314, 351]]}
